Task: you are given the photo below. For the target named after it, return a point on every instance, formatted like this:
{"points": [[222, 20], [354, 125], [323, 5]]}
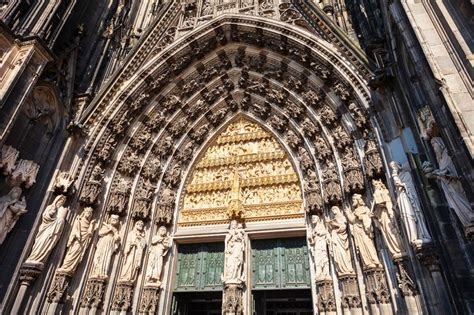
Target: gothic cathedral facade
{"points": [[198, 157]]}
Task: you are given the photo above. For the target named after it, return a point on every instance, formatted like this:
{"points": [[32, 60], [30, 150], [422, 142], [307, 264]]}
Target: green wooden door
{"points": [[280, 264], [199, 267]]}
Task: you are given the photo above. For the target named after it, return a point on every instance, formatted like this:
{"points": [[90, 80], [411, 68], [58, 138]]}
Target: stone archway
{"points": [[145, 129]]}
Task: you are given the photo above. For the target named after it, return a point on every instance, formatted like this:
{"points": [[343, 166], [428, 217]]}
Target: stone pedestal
{"points": [[57, 293], [149, 300], [378, 294], [93, 295], [407, 286], [232, 301], [351, 302], [123, 297], [326, 300]]}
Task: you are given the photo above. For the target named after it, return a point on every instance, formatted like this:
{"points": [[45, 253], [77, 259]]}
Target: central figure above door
{"points": [[244, 172]]}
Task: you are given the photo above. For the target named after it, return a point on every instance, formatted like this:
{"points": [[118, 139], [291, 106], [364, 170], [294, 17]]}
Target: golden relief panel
{"points": [[246, 173]]}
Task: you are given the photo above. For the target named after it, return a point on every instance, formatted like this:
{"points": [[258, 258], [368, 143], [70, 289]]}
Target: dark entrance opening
{"points": [[282, 302], [197, 303]]}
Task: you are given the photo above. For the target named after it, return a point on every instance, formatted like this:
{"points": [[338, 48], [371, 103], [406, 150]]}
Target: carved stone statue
{"points": [[449, 180], [133, 253], [49, 232], [409, 205], [339, 243], [160, 244], [79, 240], [8, 158], [385, 218], [107, 244], [234, 253], [11, 208], [318, 246], [363, 232]]}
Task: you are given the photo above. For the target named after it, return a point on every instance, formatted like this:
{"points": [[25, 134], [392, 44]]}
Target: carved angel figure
{"points": [[133, 253], [234, 253], [317, 241], [11, 208], [79, 239], [363, 232], [409, 205], [49, 232], [160, 244], [107, 244]]}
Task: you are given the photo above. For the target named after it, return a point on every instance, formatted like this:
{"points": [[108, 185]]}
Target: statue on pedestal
{"points": [[409, 205], [133, 253], [107, 244], [363, 232], [49, 232], [160, 245], [79, 239]]}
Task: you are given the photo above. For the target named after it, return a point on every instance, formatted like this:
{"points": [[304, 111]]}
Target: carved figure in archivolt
{"points": [[385, 218], [133, 253], [11, 208], [362, 231], [339, 243], [318, 245], [450, 183], [160, 245], [234, 253], [79, 240], [49, 232], [107, 244], [409, 205]]}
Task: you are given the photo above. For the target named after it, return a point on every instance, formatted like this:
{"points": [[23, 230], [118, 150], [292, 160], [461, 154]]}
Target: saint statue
{"points": [[49, 232], [385, 218], [11, 208], [107, 245], [160, 244], [79, 239], [409, 205], [450, 183], [234, 253], [363, 233], [339, 243], [133, 253], [318, 246]]}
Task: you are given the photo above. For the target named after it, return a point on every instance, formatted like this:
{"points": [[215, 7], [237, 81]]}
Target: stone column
{"points": [[232, 301], [428, 257], [28, 274]]}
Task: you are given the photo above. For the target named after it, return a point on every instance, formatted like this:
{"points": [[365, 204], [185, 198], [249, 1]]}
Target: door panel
{"points": [[200, 267], [280, 264]]}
